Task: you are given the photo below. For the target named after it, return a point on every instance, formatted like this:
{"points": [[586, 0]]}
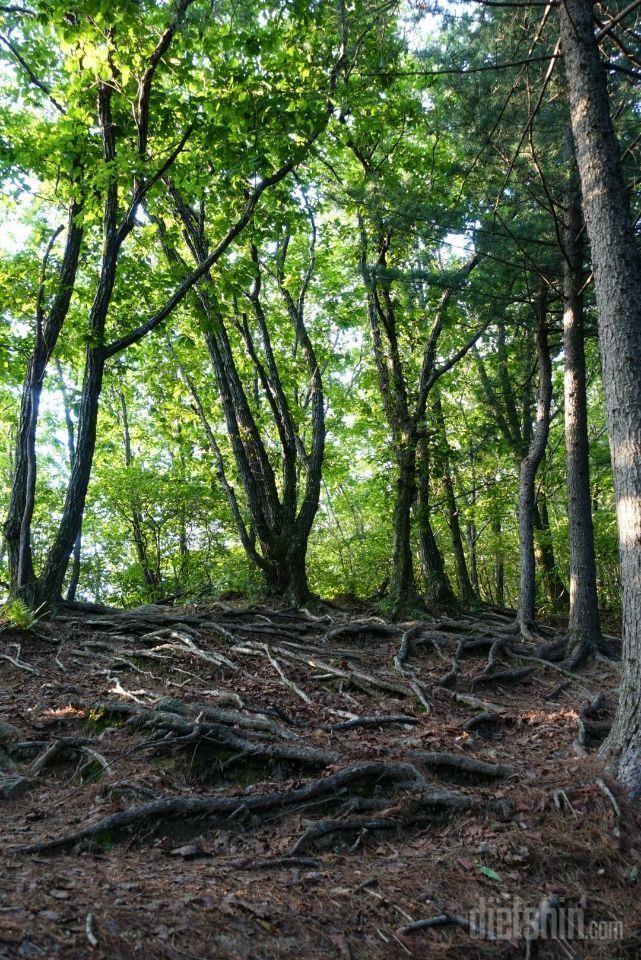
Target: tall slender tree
{"points": [[616, 264]]}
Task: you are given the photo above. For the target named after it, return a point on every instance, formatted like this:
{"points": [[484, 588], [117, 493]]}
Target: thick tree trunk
{"points": [[437, 586], [402, 585], [616, 264], [584, 629], [286, 572], [529, 466]]}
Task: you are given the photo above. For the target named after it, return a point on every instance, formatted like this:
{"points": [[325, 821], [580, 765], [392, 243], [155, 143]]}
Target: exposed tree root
{"points": [[228, 808], [461, 762], [381, 721], [358, 628], [483, 720], [191, 734], [590, 728], [502, 676]]}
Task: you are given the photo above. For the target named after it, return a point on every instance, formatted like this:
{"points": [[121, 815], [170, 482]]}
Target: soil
{"points": [[402, 834]]}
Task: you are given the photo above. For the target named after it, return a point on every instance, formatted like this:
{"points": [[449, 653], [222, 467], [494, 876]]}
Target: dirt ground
{"points": [[256, 831]]}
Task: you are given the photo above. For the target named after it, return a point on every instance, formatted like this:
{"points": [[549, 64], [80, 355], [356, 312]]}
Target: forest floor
{"points": [[218, 781]]}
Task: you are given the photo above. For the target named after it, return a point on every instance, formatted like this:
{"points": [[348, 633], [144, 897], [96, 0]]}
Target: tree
{"points": [[108, 61], [526, 615], [584, 628], [616, 265], [280, 519]]}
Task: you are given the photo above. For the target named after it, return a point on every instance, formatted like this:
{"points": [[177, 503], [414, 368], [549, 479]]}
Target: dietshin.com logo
{"points": [[551, 919]]}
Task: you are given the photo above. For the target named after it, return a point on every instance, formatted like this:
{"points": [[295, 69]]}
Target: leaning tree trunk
{"points": [[584, 629], [529, 466], [49, 587], [616, 263]]}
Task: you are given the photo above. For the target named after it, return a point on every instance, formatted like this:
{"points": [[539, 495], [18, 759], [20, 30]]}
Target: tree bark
{"points": [[554, 587], [466, 592], [402, 584], [151, 574], [584, 629], [437, 585], [529, 467], [499, 561], [74, 577], [616, 265], [17, 528]]}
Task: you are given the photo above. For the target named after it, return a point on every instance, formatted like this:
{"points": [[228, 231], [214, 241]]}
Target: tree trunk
{"points": [[49, 587], [74, 578], [584, 629], [286, 572], [17, 528], [616, 264], [499, 562], [529, 466], [402, 585], [466, 592], [472, 533], [437, 586], [554, 587]]}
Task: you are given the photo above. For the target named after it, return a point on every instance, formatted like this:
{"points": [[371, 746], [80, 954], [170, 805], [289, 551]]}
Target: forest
{"points": [[320, 478]]}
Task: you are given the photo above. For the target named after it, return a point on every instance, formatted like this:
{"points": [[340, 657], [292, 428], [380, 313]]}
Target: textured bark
{"points": [[616, 265], [584, 630], [74, 577], [529, 467], [437, 586]]}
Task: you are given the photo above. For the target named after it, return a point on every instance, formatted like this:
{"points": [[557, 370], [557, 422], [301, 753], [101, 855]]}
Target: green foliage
{"points": [[251, 84], [18, 615]]}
